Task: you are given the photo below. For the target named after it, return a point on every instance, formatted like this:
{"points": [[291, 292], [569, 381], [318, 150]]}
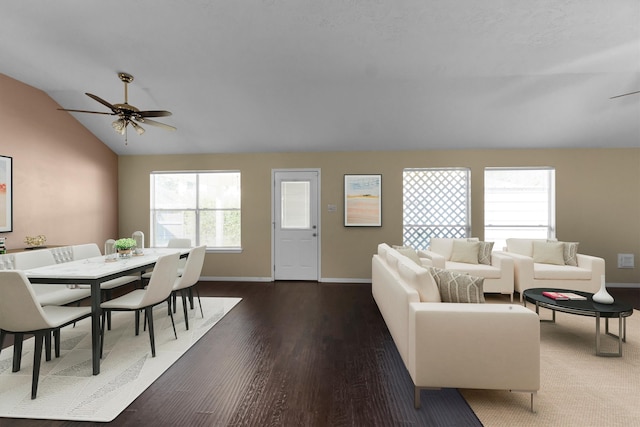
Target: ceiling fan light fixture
{"points": [[119, 125], [139, 129]]}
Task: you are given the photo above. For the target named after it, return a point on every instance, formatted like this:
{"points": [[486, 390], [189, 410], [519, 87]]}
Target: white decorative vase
{"points": [[602, 296]]}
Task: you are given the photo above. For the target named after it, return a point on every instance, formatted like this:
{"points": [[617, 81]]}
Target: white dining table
{"points": [[94, 271]]}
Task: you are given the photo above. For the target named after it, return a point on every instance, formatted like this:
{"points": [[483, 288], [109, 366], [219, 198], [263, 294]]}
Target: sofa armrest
{"points": [[593, 264], [522, 270], [487, 346], [437, 260], [503, 262]]}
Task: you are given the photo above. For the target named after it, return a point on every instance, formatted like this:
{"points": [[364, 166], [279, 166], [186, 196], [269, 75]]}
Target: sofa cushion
{"points": [[548, 252], [458, 287], [571, 253], [560, 272], [520, 246], [480, 270], [484, 253], [409, 252], [463, 251], [419, 279]]}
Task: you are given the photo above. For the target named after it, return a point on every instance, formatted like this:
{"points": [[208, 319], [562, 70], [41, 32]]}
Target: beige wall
{"points": [[598, 201], [64, 178]]}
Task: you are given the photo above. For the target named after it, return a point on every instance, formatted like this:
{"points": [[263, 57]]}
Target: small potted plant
{"points": [[125, 246]]}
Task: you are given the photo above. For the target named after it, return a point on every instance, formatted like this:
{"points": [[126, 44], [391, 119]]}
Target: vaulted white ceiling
{"points": [[318, 75]]}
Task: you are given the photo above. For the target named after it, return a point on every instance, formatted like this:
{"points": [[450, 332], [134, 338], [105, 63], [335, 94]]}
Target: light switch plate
{"points": [[626, 261]]}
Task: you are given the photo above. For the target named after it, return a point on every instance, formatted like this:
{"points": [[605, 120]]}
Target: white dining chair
{"points": [[21, 313], [189, 280], [158, 291], [91, 250], [48, 294], [177, 243]]}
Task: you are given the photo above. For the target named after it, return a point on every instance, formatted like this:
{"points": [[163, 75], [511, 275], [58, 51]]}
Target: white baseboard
{"points": [[623, 285], [234, 279], [269, 279], [342, 280]]}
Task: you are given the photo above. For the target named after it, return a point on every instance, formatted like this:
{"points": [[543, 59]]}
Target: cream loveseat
{"points": [[540, 263], [475, 258], [454, 345]]}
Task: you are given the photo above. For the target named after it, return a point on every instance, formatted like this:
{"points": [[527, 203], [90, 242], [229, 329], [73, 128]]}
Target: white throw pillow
{"points": [[419, 279], [548, 252], [466, 252], [409, 252]]}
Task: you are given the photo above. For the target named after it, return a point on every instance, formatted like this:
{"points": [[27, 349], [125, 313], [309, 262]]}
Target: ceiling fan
{"points": [[625, 94], [127, 113]]}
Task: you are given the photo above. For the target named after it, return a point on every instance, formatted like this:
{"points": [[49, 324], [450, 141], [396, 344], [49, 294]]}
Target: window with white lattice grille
{"points": [[519, 203], [436, 203]]}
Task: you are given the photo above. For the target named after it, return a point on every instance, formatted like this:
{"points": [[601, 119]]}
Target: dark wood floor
{"points": [[293, 354], [290, 354]]}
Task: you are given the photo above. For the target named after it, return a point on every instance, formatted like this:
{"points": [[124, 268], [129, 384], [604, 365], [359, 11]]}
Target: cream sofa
{"points": [[586, 275], [458, 345], [497, 271]]}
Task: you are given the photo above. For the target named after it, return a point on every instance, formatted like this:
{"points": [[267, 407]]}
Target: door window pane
{"points": [[295, 204]]}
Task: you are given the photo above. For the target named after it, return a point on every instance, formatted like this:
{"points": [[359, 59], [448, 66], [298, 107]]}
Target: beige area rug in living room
{"points": [[68, 391], [577, 388]]}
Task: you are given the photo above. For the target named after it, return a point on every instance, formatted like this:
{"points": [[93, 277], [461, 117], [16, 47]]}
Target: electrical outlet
{"points": [[626, 261]]}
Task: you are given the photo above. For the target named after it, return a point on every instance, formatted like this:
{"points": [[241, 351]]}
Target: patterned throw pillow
{"points": [[458, 287], [571, 253], [484, 253]]}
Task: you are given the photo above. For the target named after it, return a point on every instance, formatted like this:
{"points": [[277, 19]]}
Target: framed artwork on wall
{"points": [[363, 200], [6, 194]]}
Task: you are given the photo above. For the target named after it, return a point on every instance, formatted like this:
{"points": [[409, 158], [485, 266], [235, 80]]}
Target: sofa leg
{"points": [[416, 397], [533, 407]]}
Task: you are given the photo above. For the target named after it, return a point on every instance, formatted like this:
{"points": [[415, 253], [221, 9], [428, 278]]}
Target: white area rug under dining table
{"points": [[67, 389]]}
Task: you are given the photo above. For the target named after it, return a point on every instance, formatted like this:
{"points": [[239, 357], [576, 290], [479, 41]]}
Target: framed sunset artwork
{"points": [[363, 200], [6, 194]]}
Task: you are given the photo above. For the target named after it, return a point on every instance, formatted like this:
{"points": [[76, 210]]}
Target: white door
{"points": [[296, 234]]}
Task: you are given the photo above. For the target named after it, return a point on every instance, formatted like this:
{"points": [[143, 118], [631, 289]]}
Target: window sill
{"points": [[224, 250]]}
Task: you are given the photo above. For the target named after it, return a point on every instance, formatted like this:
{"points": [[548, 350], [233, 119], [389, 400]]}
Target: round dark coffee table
{"points": [[587, 307]]}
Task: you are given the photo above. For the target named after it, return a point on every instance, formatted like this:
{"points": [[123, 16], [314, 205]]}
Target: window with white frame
{"points": [[519, 203], [436, 203], [203, 206]]}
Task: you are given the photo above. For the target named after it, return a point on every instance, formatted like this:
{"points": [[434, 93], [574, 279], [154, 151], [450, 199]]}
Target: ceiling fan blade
{"points": [[102, 101], [154, 113], [625, 94], [154, 123], [85, 111]]}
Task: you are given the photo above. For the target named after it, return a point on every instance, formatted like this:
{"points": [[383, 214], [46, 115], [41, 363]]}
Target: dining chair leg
{"points": [[17, 351], [183, 294], [149, 315], [47, 346], [56, 340], [199, 302], [138, 321], [190, 290], [174, 325], [37, 356], [103, 320], [2, 335]]}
